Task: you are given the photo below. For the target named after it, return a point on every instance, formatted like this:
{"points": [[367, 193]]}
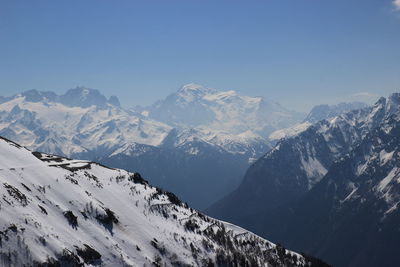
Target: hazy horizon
{"points": [[364, 97], [298, 54]]}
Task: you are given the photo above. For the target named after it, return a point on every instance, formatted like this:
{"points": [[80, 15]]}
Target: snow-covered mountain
{"points": [[84, 124], [317, 113], [77, 97], [296, 165], [83, 120], [355, 207], [79, 123], [62, 212], [323, 112], [195, 105]]}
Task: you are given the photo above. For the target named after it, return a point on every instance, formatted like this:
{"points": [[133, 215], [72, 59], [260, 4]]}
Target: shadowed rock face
{"points": [[76, 97], [296, 193], [354, 208], [83, 97]]}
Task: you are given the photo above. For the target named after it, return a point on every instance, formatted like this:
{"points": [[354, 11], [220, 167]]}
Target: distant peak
{"points": [[84, 97], [34, 95], [113, 100]]}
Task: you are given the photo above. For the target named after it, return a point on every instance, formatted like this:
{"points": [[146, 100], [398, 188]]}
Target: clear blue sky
{"points": [[297, 52]]}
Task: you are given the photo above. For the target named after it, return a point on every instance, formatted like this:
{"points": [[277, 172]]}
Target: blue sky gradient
{"points": [[297, 52]]}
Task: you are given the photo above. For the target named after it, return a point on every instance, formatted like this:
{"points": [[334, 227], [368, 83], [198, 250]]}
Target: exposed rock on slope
{"points": [[58, 211], [355, 207]]}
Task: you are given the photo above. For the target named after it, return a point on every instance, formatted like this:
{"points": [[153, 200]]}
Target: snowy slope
{"points": [[289, 132], [58, 210]]}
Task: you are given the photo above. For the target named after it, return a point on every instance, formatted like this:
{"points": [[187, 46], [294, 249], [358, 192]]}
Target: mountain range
{"points": [[158, 140], [330, 189], [198, 142], [63, 212]]}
